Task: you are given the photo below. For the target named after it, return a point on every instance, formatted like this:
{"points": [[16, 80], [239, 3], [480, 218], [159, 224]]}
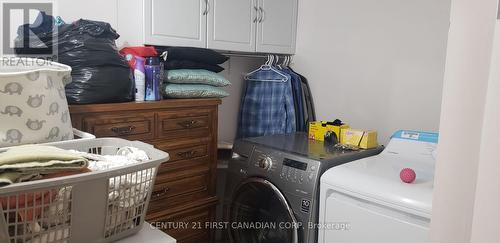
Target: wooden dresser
{"points": [[184, 191]]}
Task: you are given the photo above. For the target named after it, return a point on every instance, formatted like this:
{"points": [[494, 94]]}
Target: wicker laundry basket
{"points": [[99, 206]]}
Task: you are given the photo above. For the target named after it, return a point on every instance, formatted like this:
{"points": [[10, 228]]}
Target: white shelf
{"points": [[150, 235]]}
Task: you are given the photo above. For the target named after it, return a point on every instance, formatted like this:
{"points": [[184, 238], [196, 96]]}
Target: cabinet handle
{"points": [[256, 14], [262, 15], [186, 154], [123, 130], [187, 124], [160, 193], [205, 12]]}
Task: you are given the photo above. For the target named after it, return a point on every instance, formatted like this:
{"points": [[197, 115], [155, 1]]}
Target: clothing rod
{"points": [[251, 55]]}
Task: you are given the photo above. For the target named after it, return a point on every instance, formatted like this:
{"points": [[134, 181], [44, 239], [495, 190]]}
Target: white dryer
{"points": [[366, 201]]}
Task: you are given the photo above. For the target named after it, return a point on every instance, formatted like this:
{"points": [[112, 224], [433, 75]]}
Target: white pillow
{"points": [[33, 106]]}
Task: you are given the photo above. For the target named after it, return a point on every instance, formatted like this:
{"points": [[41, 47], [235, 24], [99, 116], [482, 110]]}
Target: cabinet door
{"points": [[231, 25], [277, 27], [176, 22]]}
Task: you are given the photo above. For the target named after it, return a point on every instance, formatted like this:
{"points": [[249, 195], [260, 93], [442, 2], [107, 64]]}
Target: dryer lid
{"points": [[377, 178]]}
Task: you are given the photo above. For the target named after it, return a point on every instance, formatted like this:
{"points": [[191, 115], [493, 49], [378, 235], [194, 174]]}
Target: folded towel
{"points": [[7, 178], [28, 162]]}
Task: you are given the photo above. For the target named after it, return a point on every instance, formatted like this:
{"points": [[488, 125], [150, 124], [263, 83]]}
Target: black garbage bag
{"points": [[100, 74]]}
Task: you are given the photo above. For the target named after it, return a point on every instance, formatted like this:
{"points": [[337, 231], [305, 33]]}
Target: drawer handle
{"points": [[262, 15], [123, 130], [256, 14], [187, 154], [187, 124], [160, 193]]}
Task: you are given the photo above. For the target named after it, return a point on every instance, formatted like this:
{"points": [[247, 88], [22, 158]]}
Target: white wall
{"points": [[466, 85], [102, 10], [486, 219], [375, 64]]}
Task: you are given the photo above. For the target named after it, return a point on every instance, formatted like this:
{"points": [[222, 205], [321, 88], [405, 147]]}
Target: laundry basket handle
{"points": [[82, 135]]}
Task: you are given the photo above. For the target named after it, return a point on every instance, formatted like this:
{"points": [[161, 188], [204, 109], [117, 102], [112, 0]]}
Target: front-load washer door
{"points": [[259, 213]]}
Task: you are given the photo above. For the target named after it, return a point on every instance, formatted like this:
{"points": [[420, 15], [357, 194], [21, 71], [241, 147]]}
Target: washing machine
{"points": [[272, 187], [366, 201]]}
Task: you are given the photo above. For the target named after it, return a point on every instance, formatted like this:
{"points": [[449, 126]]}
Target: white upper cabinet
{"points": [[277, 26], [232, 25], [176, 22], [267, 26]]}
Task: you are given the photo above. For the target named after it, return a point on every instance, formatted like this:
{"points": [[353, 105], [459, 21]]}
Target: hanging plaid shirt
{"points": [[297, 98], [267, 107]]}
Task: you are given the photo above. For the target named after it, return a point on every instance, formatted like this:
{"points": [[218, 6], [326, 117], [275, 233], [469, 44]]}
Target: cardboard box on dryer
{"points": [[319, 129], [359, 138]]}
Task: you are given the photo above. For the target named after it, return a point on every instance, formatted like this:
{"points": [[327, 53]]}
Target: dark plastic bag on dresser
{"points": [[100, 74]]}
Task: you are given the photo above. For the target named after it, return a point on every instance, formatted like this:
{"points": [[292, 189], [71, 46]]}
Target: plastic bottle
{"points": [[140, 79], [153, 73]]}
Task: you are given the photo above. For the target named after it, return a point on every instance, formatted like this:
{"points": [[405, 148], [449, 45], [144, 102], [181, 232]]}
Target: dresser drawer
{"points": [[184, 123], [187, 226], [188, 153], [179, 192], [137, 126], [181, 168], [186, 156]]}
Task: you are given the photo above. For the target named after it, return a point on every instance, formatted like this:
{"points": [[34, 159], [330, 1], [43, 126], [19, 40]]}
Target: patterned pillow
{"points": [[180, 91], [33, 106], [196, 76]]}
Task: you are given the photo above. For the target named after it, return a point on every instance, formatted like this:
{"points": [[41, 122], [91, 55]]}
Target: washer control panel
{"points": [[297, 171], [285, 167]]}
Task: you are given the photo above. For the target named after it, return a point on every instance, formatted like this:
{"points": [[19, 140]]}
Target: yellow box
{"points": [[318, 130], [359, 138]]}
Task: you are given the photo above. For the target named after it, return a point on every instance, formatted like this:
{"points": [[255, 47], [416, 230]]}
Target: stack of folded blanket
{"points": [[192, 73], [31, 162]]}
